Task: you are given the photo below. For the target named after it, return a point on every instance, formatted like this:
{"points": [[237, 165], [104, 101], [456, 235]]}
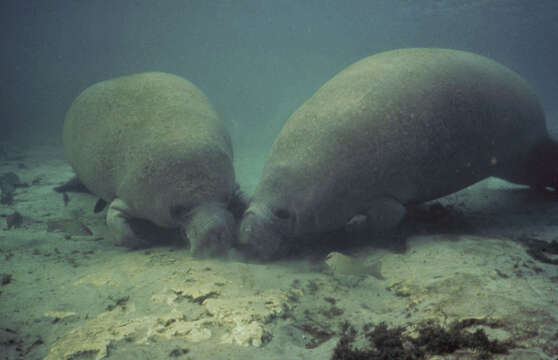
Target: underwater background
{"points": [[256, 60], [474, 276]]}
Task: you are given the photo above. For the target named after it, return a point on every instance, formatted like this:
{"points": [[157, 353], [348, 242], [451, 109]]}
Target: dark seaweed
{"points": [[332, 312], [6, 279], [384, 344], [202, 298], [120, 302], [179, 352], [318, 334], [8, 183], [14, 220], [433, 339]]}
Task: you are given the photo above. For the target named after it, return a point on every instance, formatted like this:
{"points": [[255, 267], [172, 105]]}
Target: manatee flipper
{"points": [[118, 220], [72, 185], [383, 214]]}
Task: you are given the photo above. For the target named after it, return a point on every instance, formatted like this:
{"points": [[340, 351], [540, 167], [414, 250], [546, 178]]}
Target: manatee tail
{"points": [[542, 165], [72, 185]]}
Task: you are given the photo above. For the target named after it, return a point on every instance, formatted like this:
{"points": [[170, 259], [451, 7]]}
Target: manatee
{"points": [[152, 146], [398, 128]]}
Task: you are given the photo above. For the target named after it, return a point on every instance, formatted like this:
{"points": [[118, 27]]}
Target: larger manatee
{"points": [[152, 146], [401, 127]]}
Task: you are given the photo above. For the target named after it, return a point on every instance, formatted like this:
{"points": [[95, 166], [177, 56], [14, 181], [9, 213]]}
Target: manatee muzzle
{"points": [[210, 230], [257, 234]]}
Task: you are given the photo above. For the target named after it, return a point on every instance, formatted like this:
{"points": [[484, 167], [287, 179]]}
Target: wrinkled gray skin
{"points": [[401, 127], [152, 146]]}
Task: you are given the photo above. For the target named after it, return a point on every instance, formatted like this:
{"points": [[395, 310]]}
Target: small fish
{"points": [[341, 264]]}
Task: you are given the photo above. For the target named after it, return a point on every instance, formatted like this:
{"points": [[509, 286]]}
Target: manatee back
{"points": [[414, 123], [152, 139]]}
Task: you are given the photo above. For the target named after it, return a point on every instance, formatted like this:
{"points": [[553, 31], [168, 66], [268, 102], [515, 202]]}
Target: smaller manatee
{"points": [[152, 146]]}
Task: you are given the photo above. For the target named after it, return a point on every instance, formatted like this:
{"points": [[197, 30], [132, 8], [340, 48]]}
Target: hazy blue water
{"points": [[256, 60]]}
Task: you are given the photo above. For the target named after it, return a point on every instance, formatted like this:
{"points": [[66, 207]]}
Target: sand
{"points": [[68, 293]]}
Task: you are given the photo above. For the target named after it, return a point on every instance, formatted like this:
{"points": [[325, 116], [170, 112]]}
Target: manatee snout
{"points": [[259, 236], [210, 229]]}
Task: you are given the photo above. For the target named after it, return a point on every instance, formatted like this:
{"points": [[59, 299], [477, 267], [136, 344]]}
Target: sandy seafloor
{"points": [[69, 293]]}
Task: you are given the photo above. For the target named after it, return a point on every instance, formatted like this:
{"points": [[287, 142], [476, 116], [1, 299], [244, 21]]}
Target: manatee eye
{"points": [[177, 211], [282, 214]]}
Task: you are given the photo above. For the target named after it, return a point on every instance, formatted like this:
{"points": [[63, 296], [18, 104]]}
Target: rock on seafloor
{"points": [[204, 306]]}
